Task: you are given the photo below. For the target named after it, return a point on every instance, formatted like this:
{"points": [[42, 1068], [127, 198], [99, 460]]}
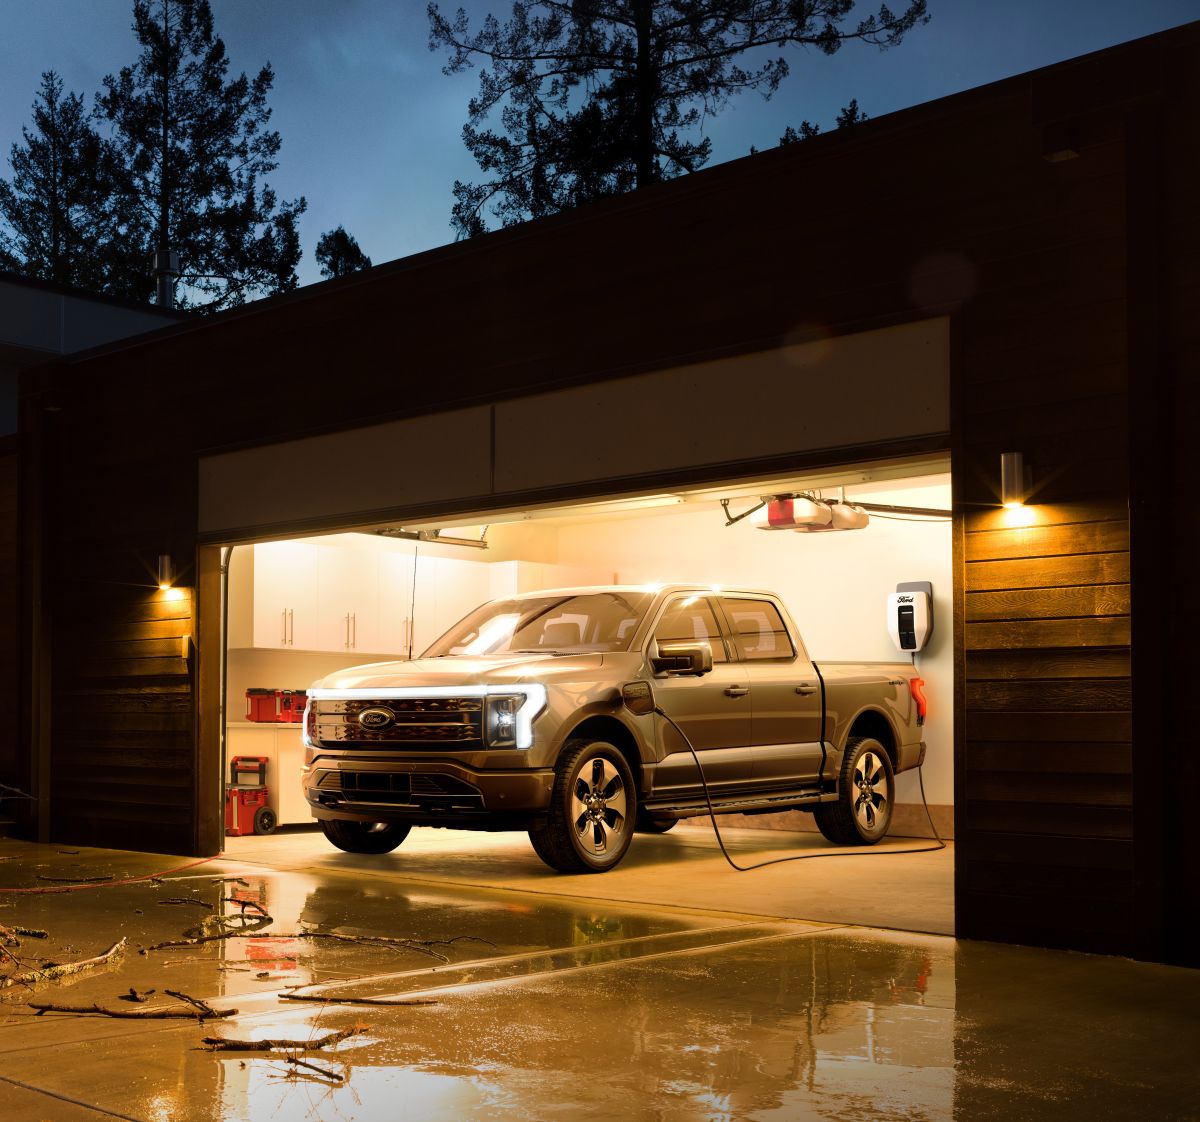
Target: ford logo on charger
{"points": [[376, 719]]}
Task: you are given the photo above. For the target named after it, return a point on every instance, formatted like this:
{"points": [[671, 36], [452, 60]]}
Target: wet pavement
{"points": [[469, 1002]]}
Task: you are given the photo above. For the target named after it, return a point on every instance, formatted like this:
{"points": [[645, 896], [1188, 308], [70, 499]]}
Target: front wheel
{"points": [[593, 808], [866, 795], [365, 837]]}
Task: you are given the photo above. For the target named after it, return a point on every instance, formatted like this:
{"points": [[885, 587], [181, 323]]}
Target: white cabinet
{"points": [[447, 589], [348, 597], [285, 595]]}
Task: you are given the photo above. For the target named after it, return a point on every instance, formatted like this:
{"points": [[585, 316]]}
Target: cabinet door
{"points": [[459, 587], [347, 598], [285, 595], [395, 602]]}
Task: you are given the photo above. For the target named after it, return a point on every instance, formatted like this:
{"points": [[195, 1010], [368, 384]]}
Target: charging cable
{"points": [[802, 856]]}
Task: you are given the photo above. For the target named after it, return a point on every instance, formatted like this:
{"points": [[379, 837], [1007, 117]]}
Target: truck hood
{"points": [[462, 671]]}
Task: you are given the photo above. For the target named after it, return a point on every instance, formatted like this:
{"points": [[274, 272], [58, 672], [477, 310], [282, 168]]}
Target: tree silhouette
{"points": [[338, 254], [598, 97], [53, 209], [189, 151]]}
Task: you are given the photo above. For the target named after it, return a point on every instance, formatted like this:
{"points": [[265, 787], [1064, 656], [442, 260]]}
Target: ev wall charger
{"points": [[910, 615]]}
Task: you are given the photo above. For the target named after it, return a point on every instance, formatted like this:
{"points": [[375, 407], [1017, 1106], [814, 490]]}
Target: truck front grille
{"points": [[410, 722]]}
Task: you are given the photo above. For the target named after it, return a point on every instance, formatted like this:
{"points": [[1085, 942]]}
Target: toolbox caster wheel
{"points": [[264, 820]]}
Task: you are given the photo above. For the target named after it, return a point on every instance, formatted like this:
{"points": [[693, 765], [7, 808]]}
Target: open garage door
{"points": [[308, 608]]}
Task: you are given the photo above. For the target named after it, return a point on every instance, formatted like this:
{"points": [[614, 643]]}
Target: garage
{"points": [[590, 387], [388, 592]]}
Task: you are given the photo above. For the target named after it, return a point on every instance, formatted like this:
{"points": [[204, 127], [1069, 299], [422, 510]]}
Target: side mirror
{"points": [[682, 658]]}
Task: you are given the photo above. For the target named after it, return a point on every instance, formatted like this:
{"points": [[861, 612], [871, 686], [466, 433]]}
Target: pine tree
{"points": [[190, 150], [599, 97], [338, 254], [53, 209]]}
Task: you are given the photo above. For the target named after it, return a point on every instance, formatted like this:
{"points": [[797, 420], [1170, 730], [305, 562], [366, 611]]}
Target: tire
{"points": [[593, 808], [647, 825], [264, 820], [866, 796], [365, 837]]}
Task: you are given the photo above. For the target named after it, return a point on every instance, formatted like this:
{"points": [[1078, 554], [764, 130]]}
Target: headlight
{"points": [[500, 720]]}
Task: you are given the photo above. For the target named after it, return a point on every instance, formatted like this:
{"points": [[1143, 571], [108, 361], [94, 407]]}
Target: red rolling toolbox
{"points": [[246, 810]]}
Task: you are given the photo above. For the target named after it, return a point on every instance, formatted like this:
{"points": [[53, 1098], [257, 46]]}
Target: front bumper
{"points": [[425, 791]]}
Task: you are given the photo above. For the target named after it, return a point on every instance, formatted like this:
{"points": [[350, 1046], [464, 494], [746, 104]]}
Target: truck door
{"points": [[786, 724], [713, 710]]}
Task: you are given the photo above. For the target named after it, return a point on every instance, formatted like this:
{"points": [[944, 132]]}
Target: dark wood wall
{"points": [[965, 208], [10, 759]]}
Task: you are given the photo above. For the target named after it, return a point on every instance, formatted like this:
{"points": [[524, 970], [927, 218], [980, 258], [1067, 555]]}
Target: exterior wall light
{"points": [[1014, 482], [166, 571]]}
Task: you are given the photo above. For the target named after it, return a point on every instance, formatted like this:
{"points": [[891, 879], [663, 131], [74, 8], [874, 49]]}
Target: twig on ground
{"points": [[137, 995], [186, 900], [78, 880], [232, 880], [199, 1003], [350, 999], [10, 936], [247, 928], [244, 904], [135, 1014], [319, 1070], [228, 1044], [52, 971]]}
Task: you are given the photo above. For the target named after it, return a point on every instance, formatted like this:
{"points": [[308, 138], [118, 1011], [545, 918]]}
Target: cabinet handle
{"points": [[283, 628], [346, 631], [291, 627], [354, 629]]}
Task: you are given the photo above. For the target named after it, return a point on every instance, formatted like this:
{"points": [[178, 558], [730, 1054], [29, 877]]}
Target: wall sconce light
{"points": [[1015, 480], [166, 571]]}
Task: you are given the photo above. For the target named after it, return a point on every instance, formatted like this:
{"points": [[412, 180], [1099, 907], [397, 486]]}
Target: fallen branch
{"points": [[338, 999], [9, 936], [186, 900], [134, 1014], [227, 1044], [319, 1070], [52, 971], [78, 880], [244, 904], [250, 928], [199, 1003]]}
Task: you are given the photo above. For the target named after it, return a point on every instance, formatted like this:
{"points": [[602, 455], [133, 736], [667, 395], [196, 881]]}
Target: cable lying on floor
{"points": [[712, 814]]}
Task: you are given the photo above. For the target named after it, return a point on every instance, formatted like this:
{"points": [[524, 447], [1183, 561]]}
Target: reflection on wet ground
{"points": [[551, 1008]]}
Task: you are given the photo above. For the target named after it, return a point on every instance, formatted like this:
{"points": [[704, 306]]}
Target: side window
{"points": [[758, 629], [690, 618]]}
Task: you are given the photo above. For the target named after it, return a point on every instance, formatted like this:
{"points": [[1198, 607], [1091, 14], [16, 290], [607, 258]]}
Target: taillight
{"points": [[916, 687]]}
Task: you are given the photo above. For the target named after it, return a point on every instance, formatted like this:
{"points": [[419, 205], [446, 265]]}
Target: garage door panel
{"points": [[779, 402]]}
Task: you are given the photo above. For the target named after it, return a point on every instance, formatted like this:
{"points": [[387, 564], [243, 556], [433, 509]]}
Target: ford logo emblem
{"points": [[376, 719]]}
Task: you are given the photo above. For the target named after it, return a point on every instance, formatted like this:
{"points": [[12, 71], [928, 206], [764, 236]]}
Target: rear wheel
{"points": [[365, 837], [592, 810], [866, 795]]}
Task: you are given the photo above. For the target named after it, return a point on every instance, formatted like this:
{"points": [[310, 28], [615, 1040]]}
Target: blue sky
{"points": [[372, 128]]}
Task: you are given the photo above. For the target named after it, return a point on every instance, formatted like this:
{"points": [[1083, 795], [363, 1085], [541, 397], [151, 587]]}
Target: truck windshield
{"points": [[583, 623]]}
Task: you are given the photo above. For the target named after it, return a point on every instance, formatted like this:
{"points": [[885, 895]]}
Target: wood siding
{"points": [[1067, 332], [11, 761]]}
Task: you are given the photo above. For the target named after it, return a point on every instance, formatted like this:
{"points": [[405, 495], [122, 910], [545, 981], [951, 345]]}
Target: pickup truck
{"points": [[583, 715]]}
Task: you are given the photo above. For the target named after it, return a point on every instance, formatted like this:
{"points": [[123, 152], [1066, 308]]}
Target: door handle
{"points": [[736, 691], [806, 688]]}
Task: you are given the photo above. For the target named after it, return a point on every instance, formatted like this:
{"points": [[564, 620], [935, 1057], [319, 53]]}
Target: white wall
{"points": [[835, 585]]}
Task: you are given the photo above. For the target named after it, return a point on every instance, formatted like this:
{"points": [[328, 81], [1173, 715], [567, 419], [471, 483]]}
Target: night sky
{"points": [[372, 128]]}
